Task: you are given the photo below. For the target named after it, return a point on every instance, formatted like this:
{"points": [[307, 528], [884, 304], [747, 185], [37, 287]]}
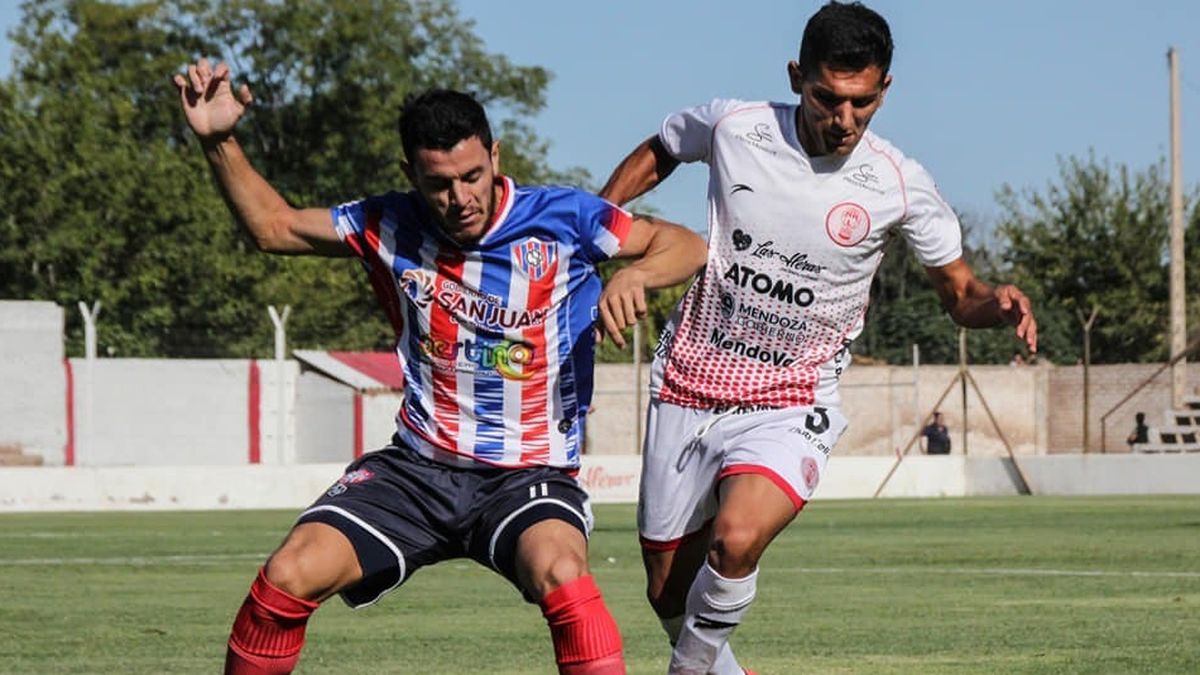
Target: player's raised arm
{"points": [[667, 254], [974, 304], [213, 110], [647, 166]]}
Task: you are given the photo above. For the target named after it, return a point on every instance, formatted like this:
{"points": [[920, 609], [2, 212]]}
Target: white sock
{"points": [[726, 663], [715, 606]]}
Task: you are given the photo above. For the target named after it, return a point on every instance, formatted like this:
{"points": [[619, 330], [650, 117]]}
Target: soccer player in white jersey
{"points": [[492, 291], [744, 404]]}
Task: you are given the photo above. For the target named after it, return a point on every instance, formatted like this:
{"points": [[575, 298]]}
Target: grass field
{"points": [[1010, 585]]}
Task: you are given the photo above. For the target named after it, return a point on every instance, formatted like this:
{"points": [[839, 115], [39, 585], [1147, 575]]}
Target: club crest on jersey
{"points": [[847, 224], [350, 478], [534, 257]]}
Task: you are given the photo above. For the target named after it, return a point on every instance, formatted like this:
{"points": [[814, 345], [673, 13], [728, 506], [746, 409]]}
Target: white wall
{"points": [[324, 419], [33, 385], [611, 479]]}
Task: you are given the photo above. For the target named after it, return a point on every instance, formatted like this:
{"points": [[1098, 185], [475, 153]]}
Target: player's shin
{"points": [[586, 639], [268, 631], [715, 606], [725, 663]]}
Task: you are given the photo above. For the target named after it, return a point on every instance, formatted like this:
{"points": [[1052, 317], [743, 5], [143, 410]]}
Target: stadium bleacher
{"points": [[1180, 431]]}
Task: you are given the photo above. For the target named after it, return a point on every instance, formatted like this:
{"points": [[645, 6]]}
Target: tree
{"points": [[1097, 237], [107, 196], [905, 310]]}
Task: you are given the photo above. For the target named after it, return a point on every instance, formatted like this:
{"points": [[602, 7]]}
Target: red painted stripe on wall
{"points": [[69, 451], [254, 411], [358, 424]]}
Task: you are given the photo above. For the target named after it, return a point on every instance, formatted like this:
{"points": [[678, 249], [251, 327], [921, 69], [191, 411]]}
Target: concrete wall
{"points": [[1107, 385], [177, 412], [324, 420], [608, 479], [33, 379], [882, 404], [180, 412]]}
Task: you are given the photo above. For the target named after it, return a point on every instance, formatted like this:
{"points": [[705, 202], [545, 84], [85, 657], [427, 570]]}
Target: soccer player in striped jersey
{"points": [[744, 407], [492, 292]]}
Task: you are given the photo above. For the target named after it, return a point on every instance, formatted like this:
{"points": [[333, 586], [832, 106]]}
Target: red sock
{"points": [[586, 639], [268, 631]]}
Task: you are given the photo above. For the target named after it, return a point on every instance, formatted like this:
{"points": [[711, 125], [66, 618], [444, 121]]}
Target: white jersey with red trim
{"points": [[494, 337], [794, 242]]}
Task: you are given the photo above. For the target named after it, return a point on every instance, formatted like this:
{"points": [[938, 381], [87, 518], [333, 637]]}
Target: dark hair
{"points": [[845, 36], [438, 119]]}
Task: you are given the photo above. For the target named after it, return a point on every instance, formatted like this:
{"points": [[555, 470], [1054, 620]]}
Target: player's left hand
{"points": [[622, 303], [1017, 311]]}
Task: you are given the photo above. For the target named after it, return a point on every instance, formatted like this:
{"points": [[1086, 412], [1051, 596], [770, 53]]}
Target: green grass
{"points": [[1011, 585]]}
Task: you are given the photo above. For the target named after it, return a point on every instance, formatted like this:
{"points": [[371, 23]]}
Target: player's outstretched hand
{"points": [[208, 99], [1016, 310], [622, 303]]}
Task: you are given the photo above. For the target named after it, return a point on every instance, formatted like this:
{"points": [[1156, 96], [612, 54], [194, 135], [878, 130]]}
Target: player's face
{"points": [[836, 106], [459, 186]]}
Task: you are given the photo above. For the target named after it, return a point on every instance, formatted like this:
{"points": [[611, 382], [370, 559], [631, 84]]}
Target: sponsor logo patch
{"points": [[418, 286], [741, 240]]}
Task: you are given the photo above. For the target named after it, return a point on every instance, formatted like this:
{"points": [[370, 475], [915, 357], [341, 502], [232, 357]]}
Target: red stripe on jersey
{"points": [[380, 274], [443, 328], [535, 433], [619, 221], [502, 203]]}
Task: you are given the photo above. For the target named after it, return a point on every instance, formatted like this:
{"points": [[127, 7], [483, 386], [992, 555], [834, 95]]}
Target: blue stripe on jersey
{"points": [[579, 314], [495, 279], [566, 383], [403, 217]]}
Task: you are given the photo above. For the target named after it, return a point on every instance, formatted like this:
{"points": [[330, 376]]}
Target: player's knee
{"points": [[565, 568], [289, 570], [735, 550], [665, 604]]}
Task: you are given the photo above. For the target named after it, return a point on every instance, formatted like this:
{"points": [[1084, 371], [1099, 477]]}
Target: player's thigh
{"points": [[531, 526], [788, 448], [680, 462], [395, 509], [314, 562], [550, 553]]}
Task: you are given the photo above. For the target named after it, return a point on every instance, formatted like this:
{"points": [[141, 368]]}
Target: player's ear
{"points": [[795, 76], [495, 154], [409, 173], [887, 82]]}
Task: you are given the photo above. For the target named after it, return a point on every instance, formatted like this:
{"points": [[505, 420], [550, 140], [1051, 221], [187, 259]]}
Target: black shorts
{"points": [[402, 512]]}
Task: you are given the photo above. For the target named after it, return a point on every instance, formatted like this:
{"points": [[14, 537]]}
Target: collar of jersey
{"points": [[508, 192]]}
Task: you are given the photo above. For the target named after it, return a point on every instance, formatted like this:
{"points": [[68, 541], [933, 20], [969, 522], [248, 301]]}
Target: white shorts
{"points": [[689, 450]]}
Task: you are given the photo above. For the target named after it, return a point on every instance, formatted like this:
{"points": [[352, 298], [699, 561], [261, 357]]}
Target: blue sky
{"points": [[984, 93]]}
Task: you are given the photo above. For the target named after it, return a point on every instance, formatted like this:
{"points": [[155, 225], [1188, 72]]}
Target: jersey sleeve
{"points": [[352, 221], [603, 227], [687, 134], [930, 225]]}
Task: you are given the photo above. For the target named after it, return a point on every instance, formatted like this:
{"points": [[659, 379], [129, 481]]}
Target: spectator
{"points": [[937, 437], [1140, 433]]}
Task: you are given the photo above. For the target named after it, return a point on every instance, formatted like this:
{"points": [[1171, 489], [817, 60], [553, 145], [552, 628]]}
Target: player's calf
{"points": [[715, 607], [268, 632], [313, 563], [586, 638]]}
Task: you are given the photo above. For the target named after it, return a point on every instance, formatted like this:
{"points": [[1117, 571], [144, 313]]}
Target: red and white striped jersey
{"points": [[794, 242]]}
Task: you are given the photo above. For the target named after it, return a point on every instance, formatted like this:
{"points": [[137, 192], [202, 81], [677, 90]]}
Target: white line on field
{"points": [[143, 560], [986, 571]]}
